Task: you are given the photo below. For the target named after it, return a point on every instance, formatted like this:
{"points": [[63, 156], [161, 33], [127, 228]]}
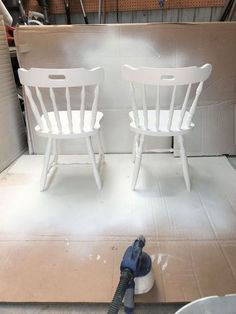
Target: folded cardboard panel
{"points": [[12, 130], [161, 45], [62, 271]]}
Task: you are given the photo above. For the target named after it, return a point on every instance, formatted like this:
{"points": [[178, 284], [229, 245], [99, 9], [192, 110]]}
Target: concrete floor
{"points": [[83, 308]]}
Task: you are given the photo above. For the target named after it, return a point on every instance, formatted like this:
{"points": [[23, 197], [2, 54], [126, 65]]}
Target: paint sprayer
{"points": [[136, 277]]}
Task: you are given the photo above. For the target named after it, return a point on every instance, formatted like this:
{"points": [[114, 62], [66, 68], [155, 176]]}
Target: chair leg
{"points": [[135, 146], [101, 156], [137, 164], [93, 161], [184, 163], [45, 165], [55, 151], [100, 146], [54, 160]]}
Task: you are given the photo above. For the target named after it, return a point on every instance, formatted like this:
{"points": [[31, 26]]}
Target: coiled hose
{"points": [[125, 277]]}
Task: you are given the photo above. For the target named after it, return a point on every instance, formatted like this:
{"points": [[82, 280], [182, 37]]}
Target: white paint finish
{"points": [[171, 122], [166, 76], [160, 77], [161, 208], [59, 124], [112, 120], [55, 78], [165, 127]]}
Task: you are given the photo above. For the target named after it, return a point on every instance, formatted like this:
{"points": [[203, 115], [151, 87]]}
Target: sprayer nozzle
{"points": [[142, 241]]}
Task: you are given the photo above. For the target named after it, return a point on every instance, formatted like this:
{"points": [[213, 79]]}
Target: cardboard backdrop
{"points": [[159, 45]]}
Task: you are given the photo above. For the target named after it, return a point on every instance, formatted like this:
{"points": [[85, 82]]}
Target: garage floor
{"points": [[84, 308], [65, 245]]}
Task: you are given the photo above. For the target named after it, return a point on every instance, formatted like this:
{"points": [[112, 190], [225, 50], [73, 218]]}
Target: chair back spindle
{"points": [[40, 98], [172, 104], [145, 109], [194, 104], [166, 77], [55, 80], [82, 108], [68, 107], [95, 106], [34, 107], [157, 108], [56, 113], [184, 106], [134, 105]]}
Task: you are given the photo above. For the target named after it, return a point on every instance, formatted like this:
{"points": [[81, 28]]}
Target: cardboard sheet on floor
{"points": [[66, 244], [155, 45]]}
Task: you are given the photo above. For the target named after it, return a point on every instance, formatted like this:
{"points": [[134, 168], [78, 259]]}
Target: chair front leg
{"points": [[53, 161], [184, 163], [43, 180], [93, 162], [55, 151], [101, 158], [138, 160], [135, 146]]}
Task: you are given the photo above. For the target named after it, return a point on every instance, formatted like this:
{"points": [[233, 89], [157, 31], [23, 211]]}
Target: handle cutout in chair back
{"points": [[56, 77], [167, 77]]}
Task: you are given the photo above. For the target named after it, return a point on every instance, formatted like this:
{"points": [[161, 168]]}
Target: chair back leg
{"points": [[93, 162], [138, 159], [135, 146], [43, 181], [101, 156], [184, 161], [55, 151]]}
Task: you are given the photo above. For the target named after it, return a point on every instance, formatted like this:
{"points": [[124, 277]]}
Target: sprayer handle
{"points": [[125, 278]]}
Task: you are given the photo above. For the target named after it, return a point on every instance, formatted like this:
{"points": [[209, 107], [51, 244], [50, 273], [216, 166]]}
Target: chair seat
{"points": [[163, 127], [65, 133]]}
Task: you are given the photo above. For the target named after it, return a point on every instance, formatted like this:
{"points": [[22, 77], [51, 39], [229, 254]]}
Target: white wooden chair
{"points": [[45, 88], [168, 121]]}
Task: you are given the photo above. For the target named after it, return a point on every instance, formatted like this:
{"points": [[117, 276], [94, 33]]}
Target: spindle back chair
{"points": [[163, 119], [45, 89]]}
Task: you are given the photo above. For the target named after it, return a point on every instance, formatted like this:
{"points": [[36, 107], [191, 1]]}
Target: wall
{"points": [[166, 16], [12, 129]]}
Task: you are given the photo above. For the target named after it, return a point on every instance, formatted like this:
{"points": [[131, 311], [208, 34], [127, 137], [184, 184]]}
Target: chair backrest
{"points": [[166, 77], [41, 84]]}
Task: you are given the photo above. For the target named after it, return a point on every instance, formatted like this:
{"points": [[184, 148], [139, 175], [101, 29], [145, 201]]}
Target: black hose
{"points": [[44, 5], [67, 9], [125, 278], [227, 10]]}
